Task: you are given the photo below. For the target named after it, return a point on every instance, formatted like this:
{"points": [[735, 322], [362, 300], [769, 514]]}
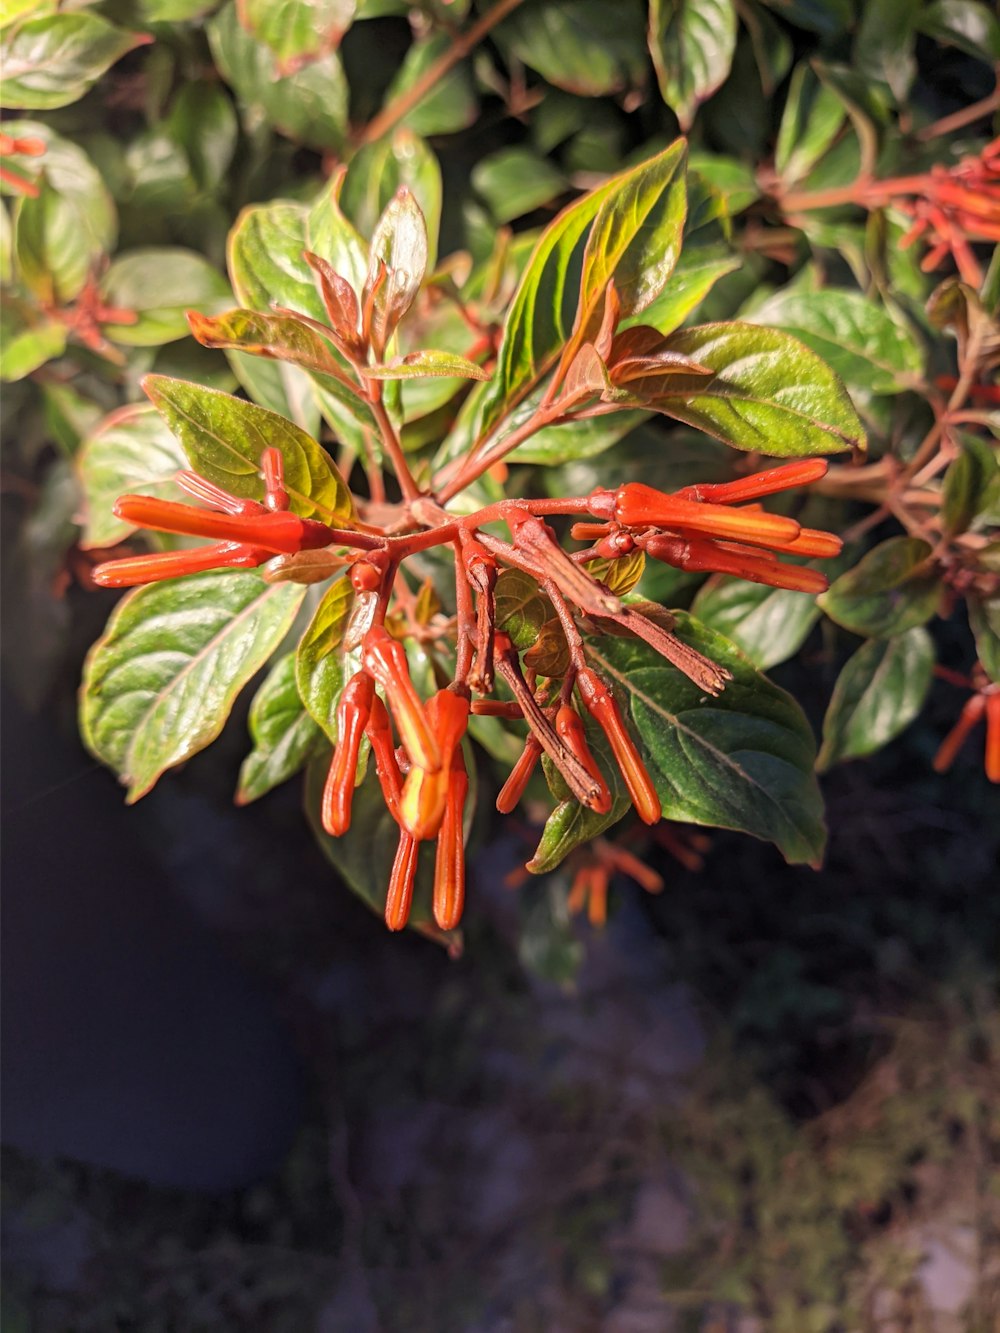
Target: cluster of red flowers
{"points": [[982, 706], [951, 207], [424, 779]]}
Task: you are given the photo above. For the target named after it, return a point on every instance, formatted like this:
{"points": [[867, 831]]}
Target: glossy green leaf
{"points": [[636, 237], [159, 285], [884, 44], [587, 47], [770, 393], [53, 59], [61, 236], [769, 624], [451, 105], [971, 485], [134, 452], [378, 170], [810, 122], [283, 734], [856, 336], [630, 230], [296, 31], [320, 669], [576, 440], [159, 684], [224, 438], [514, 181], [984, 619], [277, 337], [741, 761], [895, 587], [309, 106], [971, 26], [431, 363], [692, 44], [878, 693], [698, 269]]}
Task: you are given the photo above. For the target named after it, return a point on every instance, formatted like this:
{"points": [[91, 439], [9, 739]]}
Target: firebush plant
{"points": [[542, 512]]}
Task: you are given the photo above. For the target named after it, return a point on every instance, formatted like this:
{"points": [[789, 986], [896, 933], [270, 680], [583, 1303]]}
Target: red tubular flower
{"points": [[390, 779], [385, 659], [570, 728], [425, 792], [520, 775], [246, 533], [972, 711], [353, 710], [745, 563], [600, 704], [769, 482], [449, 867], [404, 872], [993, 736], [638, 506]]}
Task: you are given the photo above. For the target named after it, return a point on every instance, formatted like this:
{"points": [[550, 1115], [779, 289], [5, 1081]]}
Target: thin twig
{"points": [[460, 47]]}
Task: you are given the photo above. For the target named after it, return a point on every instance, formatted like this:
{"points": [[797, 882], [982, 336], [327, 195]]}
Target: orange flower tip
{"points": [[400, 894], [816, 544]]}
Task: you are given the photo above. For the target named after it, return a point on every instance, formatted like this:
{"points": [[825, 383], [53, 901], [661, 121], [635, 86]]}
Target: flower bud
{"points": [[404, 872], [570, 728], [385, 659], [353, 710], [600, 704], [449, 867]]}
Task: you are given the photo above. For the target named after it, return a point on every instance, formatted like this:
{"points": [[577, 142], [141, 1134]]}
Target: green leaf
{"points": [[630, 230], [159, 285], [884, 44], [742, 761], [970, 485], [879, 692], [829, 18], [698, 269], [60, 236], [283, 733], [28, 341], [52, 60], [967, 24], [202, 122], [159, 684], [574, 440], [435, 364], [309, 106], [131, 451], [769, 624], [224, 438], [894, 588], [770, 393], [521, 608], [364, 855], [858, 338], [514, 181], [984, 619], [297, 31], [451, 105], [277, 337], [587, 47], [320, 669], [810, 122], [378, 170], [692, 44]]}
